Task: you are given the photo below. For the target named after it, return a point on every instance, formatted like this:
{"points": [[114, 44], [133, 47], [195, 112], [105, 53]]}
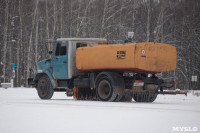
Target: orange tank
{"points": [[140, 57]]}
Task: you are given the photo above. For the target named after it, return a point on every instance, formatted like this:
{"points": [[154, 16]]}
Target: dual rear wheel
{"points": [[105, 90]]}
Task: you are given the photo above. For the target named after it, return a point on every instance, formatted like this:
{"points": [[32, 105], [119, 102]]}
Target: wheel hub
{"points": [[104, 89]]}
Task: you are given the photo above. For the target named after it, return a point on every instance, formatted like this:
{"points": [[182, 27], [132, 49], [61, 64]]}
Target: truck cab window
{"points": [[81, 45], [60, 49], [57, 49], [63, 49]]}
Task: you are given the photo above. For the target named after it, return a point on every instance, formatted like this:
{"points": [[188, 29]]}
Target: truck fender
{"points": [[116, 79], [45, 72]]}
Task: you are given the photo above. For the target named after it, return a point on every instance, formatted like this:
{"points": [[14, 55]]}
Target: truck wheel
{"points": [[104, 90], [118, 98], [145, 97], [45, 88]]}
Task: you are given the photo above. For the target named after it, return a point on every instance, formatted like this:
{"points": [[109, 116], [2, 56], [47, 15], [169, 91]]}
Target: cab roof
{"points": [[81, 39]]}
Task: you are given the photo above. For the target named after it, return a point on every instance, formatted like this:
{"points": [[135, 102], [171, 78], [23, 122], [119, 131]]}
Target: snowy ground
{"points": [[21, 111]]}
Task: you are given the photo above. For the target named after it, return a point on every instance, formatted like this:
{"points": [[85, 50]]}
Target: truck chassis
{"points": [[107, 86]]}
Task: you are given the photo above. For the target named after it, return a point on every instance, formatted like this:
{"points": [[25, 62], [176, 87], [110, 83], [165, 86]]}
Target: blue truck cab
{"points": [[58, 73]]}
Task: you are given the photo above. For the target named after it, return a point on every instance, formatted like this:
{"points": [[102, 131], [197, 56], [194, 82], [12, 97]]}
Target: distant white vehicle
{"points": [[6, 85]]}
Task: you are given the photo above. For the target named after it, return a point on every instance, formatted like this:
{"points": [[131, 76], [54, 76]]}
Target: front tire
{"points": [[45, 88]]}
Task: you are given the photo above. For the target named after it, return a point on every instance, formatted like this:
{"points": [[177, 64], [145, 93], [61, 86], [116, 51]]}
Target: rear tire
{"points": [[118, 98], [104, 90], [145, 97], [45, 88]]}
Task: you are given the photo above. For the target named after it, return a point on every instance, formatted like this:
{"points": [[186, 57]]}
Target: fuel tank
{"points": [[147, 57]]}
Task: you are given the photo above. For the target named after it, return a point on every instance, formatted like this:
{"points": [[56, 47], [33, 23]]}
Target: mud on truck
{"points": [[92, 69]]}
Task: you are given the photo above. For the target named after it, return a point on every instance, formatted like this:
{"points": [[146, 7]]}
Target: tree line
{"points": [[26, 25]]}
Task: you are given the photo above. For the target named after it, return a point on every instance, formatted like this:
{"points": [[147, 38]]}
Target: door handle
{"points": [[64, 61]]}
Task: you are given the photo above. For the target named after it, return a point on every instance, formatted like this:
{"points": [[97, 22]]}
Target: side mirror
{"points": [[50, 52]]}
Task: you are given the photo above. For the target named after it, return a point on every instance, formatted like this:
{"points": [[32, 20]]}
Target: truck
{"points": [[93, 69]]}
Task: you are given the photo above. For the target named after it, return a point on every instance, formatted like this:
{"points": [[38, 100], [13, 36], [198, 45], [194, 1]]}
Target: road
{"points": [[21, 111]]}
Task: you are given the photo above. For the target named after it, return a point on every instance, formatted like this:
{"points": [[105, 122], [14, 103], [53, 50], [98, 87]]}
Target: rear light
{"points": [[138, 83], [174, 83]]}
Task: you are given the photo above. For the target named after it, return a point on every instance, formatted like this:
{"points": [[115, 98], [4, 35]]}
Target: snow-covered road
{"points": [[21, 111]]}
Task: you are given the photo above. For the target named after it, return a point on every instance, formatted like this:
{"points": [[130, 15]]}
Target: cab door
{"points": [[60, 60]]}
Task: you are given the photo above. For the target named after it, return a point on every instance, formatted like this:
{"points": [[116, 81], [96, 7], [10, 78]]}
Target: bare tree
{"points": [[171, 22], [5, 41], [30, 40]]}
